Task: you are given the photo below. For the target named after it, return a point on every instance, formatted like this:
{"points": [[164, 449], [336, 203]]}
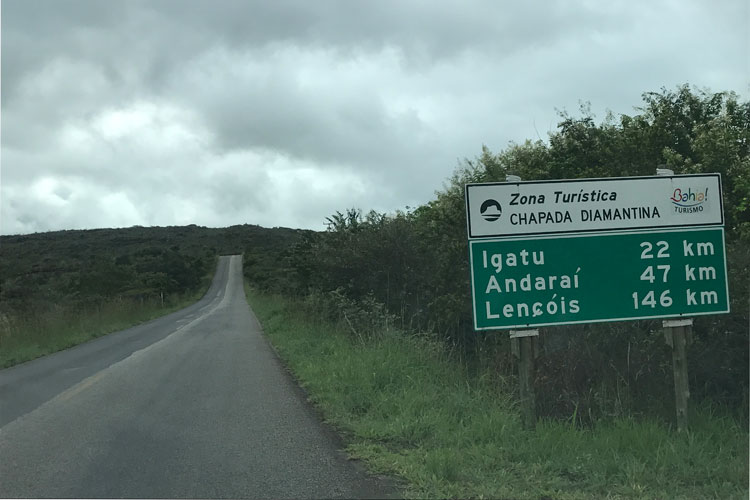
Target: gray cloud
{"points": [[279, 113]]}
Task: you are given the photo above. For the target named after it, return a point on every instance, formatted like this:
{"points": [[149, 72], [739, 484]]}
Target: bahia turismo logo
{"points": [[491, 210], [688, 202]]}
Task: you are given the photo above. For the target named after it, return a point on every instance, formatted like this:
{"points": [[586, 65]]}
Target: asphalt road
{"points": [[192, 405]]}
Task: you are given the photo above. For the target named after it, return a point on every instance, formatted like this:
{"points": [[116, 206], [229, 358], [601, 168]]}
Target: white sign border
{"points": [[591, 231]]}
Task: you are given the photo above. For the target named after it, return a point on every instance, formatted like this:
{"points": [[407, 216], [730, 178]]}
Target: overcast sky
{"points": [[158, 112]]}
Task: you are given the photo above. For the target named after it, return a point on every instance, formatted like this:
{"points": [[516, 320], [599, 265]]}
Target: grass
{"points": [[23, 338], [407, 408]]}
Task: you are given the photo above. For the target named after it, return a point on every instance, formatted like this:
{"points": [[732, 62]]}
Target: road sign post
{"points": [[525, 348], [679, 335], [548, 253]]}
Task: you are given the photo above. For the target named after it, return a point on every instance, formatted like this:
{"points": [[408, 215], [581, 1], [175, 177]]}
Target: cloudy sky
{"points": [[219, 112]]}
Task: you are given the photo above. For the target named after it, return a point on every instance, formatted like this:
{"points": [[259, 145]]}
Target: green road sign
{"points": [[521, 283]]}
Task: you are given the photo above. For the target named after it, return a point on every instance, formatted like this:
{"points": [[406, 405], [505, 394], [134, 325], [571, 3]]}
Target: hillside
{"points": [[102, 279]]}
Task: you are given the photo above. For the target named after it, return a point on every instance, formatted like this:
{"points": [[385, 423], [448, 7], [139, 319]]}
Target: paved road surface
{"points": [[194, 404]]}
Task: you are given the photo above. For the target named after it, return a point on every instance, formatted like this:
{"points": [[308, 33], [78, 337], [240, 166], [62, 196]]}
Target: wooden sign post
{"points": [[525, 347], [678, 333]]}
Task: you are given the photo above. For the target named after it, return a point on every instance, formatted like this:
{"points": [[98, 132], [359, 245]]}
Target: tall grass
{"points": [[26, 336], [408, 408]]}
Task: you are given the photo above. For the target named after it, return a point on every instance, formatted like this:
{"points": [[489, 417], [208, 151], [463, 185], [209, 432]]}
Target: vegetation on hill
{"points": [[410, 269], [62, 288]]}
